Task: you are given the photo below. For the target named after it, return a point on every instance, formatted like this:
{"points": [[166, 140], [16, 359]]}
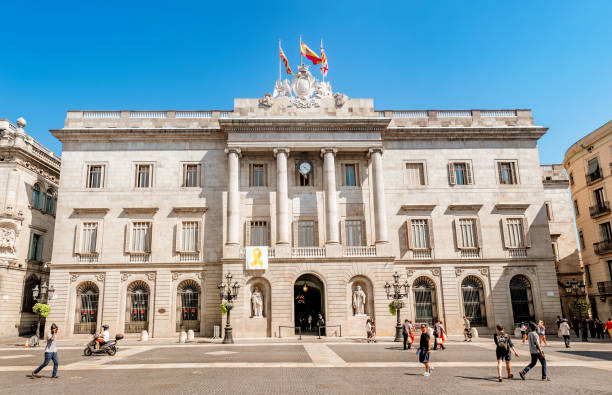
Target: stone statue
{"points": [[7, 240], [324, 89], [359, 301], [257, 302], [282, 89], [266, 101], [340, 99]]}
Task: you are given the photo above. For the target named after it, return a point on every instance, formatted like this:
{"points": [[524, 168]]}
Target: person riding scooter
{"points": [[103, 337]]}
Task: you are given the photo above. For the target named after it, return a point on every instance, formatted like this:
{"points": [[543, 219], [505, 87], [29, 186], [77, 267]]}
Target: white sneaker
{"points": [[426, 374]]}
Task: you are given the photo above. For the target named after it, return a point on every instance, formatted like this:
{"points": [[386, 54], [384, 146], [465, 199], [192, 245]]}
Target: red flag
{"points": [[309, 53], [285, 61], [323, 61]]}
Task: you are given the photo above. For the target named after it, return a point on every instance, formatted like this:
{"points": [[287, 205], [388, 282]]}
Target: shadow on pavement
{"points": [[605, 355], [479, 378]]}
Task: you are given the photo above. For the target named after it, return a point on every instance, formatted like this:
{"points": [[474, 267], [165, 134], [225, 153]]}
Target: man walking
{"points": [[503, 350], [423, 350], [406, 333], [50, 353], [584, 328], [537, 354], [565, 332]]}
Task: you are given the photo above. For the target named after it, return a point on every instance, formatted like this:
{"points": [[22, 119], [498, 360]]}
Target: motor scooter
{"points": [[110, 347]]}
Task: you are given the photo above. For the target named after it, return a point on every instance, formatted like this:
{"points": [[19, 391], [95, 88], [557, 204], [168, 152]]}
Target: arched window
{"points": [[28, 297], [37, 198], [425, 300], [522, 299], [188, 306], [86, 318], [50, 201], [137, 314], [474, 301]]}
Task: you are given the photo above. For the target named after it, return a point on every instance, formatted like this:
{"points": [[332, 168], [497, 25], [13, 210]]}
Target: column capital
{"points": [[371, 151], [326, 150], [281, 150], [234, 150]]}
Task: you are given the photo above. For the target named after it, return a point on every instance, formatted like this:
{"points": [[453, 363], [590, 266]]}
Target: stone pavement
{"points": [[311, 366]]}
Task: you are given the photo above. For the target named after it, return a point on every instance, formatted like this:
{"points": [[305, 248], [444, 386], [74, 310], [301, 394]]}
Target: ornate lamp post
{"points": [[577, 290], [42, 295], [397, 295], [228, 292]]}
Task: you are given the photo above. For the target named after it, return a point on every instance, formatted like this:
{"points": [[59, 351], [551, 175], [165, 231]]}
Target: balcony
{"points": [[599, 209], [419, 254], [187, 257], [604, 287], [359, 251], [517, 253], [308, 252], [594, 177], [88, 258], [472, 253], [603, 247]]}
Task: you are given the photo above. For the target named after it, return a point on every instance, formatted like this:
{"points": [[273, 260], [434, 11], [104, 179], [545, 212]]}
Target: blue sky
{"points": [[552, 57]]}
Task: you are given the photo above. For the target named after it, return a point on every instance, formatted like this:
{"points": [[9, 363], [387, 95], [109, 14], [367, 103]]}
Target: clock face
{"points": [[305, 167]]}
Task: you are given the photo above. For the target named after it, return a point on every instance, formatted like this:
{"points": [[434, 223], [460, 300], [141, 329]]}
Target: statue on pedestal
{"points": [[257, 302], [359, 301]]}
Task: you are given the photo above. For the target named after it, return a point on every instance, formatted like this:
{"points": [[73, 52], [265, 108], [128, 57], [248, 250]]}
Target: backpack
{"points": [[502, 342]]}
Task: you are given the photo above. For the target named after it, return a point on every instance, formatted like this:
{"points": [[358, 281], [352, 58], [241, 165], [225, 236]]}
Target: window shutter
{"points": [[178, 236], [526, 233], [295, 233], [357, 180], [506, 236], [451, 174], [364, 241], [98, 237], [78, 229], [268, 229], [342, 231], [200, 181], [431, 235], [468, 171], [31, 252], [499, 173], [150, 237], [199, 238], [409, 233], [265, 183], [247, 232], [184, 184], [128, 238], [316, 234], [458, 238], [39, 248], [478, 233], [514, 173]]}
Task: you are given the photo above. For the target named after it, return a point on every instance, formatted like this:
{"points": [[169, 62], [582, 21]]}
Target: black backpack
{"points": [[502, 341]]}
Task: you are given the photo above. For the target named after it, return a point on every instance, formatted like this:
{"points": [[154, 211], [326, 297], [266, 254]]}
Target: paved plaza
{"points": [[307, 366]]}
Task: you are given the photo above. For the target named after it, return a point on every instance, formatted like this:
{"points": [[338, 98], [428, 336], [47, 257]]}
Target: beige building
{"points": [[29, 177], [589, 165], [157, 207], [560, 217]]}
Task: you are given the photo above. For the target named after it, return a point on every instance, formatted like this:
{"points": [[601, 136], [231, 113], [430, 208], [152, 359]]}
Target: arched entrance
{"points": [[308, 301], [522, 299]]}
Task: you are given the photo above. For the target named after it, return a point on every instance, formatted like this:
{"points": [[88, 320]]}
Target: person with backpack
{"points": [[537, 354], [407, 335], [503, 351]]}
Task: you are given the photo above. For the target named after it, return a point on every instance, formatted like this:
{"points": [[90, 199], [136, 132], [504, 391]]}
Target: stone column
{"points": [[233, 196], [380, 213], [331, 206], [282, 203]]}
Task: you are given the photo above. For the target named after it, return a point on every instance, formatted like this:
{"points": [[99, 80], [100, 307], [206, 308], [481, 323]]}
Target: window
{"points": [[521, 298], [190, 236], [306, 234], [50, 202], [351, 175], [89, 238], [425, 300], [95, 176], [137, 317], [188, 306], [415, 174], [191, 175], [144, 176], [258, 175], [598, 198], [419, 234], [352, 230], [587, 274], [467, 237], [605, 232], [87, 308], [474, 301], [37, 197], [610, 269], [141, 237], [593, 171], [555, 251], [576, 208], [515, 233], [259, 233], [581, 238], [549, 215], [507, 173], [460, 173], [36, 246], [28, 298], [571, 178]]}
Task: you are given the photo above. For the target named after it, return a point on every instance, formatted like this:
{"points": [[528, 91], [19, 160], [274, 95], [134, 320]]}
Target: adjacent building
{"points": [[157, 207], [589, 165], [29, 177]]}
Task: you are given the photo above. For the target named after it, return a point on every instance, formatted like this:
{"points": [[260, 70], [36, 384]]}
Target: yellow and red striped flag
{"points": [[323, 61], [285, 61], [309, 53]]}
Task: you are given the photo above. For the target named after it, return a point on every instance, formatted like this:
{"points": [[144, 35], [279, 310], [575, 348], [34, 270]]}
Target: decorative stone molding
{"points": [[416, 207], [150, 275], [201, 275], [436, 272], [484, 271], [326, 150], [140, 210], [277, 150], [409, 272], [458, 271], [234, 150], [91, 210], [512, 206], [375, 149], [73, 277], [175, 276], [191, 210], [465, 207], [100, 277]]}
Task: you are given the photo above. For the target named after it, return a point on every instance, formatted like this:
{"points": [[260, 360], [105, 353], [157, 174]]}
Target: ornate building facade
{"points": [[29, 177], [157, 207]]}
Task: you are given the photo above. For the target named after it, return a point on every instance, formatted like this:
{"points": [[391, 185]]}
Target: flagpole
{"points": [[301, 61], [279, 60], [322, 65]]}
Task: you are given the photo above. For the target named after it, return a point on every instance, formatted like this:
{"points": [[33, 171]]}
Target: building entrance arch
{"points": [[308, 303]]}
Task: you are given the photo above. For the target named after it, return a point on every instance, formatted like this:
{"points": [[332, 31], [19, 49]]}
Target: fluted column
{"points": [[331, 205], [380, 213], [233, 196], [282, 203]]}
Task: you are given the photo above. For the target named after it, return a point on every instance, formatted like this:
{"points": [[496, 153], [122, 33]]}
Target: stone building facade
{"points": [[589, 165], [157, 207], [29, 177]]}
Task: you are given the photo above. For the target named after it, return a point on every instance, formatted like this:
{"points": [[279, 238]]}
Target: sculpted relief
{"points": [[7, 241]]}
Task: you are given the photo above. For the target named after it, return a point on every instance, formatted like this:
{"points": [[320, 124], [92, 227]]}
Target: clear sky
{"points": [[554, 57]]}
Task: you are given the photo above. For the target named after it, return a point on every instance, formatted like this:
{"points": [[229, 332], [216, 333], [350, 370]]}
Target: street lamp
{"points": [[577, 290], [42, 295], [397, 295], [228, 292]]}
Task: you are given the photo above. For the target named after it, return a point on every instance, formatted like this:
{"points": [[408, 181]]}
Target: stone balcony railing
{"points": [[359, 251], [420, 254], [599, 209], [308, 252], [602, 247], [472, 253], [450, 118], [516, 253], [604, 287]]}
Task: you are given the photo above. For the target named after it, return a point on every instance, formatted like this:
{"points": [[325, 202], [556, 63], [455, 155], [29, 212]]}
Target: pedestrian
{"points": [[467, 331], [407, 332], [50, 353], [576, 326], [537, 354], [559, 321], [565, 332], [542, 332], [369, 333], [309, 322], [321, 324], [584, 328], [442, 334], [437, 332], [609, 327], [423, 351], [599, 328], [524, 331], [592, 328], [373, 330], [503, 350]]}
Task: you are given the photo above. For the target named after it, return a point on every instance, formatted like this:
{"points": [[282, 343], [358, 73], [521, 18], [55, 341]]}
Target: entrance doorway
{"points": [[308, 302]]}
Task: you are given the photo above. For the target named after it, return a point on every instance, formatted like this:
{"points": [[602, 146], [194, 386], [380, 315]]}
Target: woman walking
{"points": [[369, 332], [50, 353], [542, 332]]}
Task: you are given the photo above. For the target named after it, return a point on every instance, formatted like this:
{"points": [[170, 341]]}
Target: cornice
{"points": [[417, 207], [140, 210], [181, 210], [465, 207], [126, 134], [91, 210], [511, 206], [464, 133], [293, 125]]}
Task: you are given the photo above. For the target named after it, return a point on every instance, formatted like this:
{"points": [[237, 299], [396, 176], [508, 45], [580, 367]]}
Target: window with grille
{"points": [[141, 237], [36, 247], [419, 232], [144, 175], [415, 174], [468, 236], [306, 234], [425, 301], [353, 233], [89, 237], [350, 174], [37, 197], [95, 176], [189, 236], [258, 175], [259, 233], [507, 172], [474, 301], [515, 232], [191, 175], [521, 299]]}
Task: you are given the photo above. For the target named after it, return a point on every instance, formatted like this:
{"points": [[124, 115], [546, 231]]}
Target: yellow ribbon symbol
{"points": [[257, 258]]}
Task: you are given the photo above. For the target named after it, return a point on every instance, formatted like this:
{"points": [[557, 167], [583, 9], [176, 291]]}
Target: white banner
{"points": [[256, 258]]}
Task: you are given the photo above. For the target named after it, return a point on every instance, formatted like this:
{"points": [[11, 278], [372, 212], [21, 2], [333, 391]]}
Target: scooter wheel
{"points": [[87, 352], [111, 351]]}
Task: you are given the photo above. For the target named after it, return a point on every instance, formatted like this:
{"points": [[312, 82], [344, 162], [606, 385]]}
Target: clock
{"points": [[304, 166]]}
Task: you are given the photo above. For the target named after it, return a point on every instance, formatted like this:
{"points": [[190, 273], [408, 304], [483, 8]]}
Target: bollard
{"points": [[190, 335], [144, 336], [182, 337]]}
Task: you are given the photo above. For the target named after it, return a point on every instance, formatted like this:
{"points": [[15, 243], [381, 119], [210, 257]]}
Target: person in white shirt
{"points": [[103, 337], [565, 332]]}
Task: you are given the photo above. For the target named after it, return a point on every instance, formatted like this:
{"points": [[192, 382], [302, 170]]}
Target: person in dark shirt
{"points": [[503, 350], [584, 328], [592, 328], [423, 350]]}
